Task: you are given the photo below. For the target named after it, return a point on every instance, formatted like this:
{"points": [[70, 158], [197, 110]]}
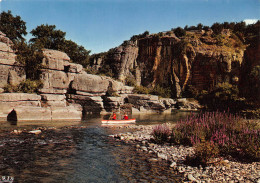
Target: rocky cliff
{"points": [[11, 72], [200, 59], [250, 83], [67, 91]]}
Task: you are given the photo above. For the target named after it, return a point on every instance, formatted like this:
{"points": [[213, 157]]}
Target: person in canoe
{"points": [[114, 116], [125, 117]]}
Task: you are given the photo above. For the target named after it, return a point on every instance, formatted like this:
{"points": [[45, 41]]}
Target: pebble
{"points": [[144, 148], [225, 171], [173, 164], [153, 159], [191, 178]]}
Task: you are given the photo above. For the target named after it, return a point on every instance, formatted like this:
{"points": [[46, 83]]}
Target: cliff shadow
{"points": [[12, 117]]}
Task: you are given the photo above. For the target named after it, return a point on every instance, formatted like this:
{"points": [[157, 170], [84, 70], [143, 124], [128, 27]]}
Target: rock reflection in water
{"points": [[77, 154]]}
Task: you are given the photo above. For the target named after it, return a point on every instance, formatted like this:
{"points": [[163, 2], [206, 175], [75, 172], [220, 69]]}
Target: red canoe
{"points": [[118, 121]]}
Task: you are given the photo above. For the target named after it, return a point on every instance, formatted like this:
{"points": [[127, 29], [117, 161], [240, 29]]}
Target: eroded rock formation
{"points": [[68, 92], [200, 59], [11, 72]]}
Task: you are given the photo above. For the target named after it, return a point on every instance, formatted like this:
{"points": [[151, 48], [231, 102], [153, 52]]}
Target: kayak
{"points": [[118, 121]]}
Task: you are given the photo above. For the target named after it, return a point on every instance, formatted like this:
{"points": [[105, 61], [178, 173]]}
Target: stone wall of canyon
{"points": [[67, 92], [200, 59]]}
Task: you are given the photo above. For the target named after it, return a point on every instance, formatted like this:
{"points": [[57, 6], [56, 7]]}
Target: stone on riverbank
{"points": [[224, 171]]}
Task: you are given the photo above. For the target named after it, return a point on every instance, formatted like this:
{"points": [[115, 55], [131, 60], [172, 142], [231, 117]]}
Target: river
{"points": [[79, 151]]}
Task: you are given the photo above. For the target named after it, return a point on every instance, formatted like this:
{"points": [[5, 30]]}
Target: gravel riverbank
{"points": [[225, 170]]}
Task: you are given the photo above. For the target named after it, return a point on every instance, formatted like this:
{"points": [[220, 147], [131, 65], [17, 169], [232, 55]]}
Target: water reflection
{"points": [[78, 154], [142, 118]]}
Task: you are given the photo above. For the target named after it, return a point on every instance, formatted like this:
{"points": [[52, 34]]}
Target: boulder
{"points": [[54, 79], [53, 64], [74, 68], [111, 103], [168, 102], [55, 54], [89, 83], [55, 60], [148, 102]]}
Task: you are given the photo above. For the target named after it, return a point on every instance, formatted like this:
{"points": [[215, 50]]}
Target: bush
{"points": [[220, 39], [161, 133], [190, 92], [179, 32], [142, 90], [163, 92], [27, 86], [205, 151], [231, 134], [157, 90], [223, 97], [130, 81]]}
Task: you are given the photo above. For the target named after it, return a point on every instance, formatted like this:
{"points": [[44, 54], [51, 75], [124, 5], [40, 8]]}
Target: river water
{"points": [[79, 151]]}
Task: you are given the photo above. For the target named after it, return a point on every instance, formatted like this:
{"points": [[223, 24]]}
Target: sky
{"points": [[99, 25]]}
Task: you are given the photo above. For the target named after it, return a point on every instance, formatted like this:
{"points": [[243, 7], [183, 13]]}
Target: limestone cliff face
{"points": [[251, 61], [121, 61], [11, 72], [200, 59], [68, 92]]}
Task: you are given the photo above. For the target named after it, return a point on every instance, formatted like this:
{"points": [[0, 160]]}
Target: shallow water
{"points": [[83, 153]]}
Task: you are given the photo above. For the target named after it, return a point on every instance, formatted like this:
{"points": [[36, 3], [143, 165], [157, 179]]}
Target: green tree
{"points": [[29, 56], [46, 36], [223, 97], [179, 32], [240, 27], [139, 36], [254, 83], [13, 26], [77, 54], [199, 26], [217, 28]]}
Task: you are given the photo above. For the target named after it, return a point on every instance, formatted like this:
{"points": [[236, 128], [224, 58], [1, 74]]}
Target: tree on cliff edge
{"points": [[13, 26], [47, 36]]}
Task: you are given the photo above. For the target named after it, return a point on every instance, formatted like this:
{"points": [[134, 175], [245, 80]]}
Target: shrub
{"points": [[190, 92], [161, 133], [130, 81], [205, 151], [179, 32], [163, 92], [223, 97], [141, 90], [220, 39], [231, 134], [10, 88], [27, 86]]}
